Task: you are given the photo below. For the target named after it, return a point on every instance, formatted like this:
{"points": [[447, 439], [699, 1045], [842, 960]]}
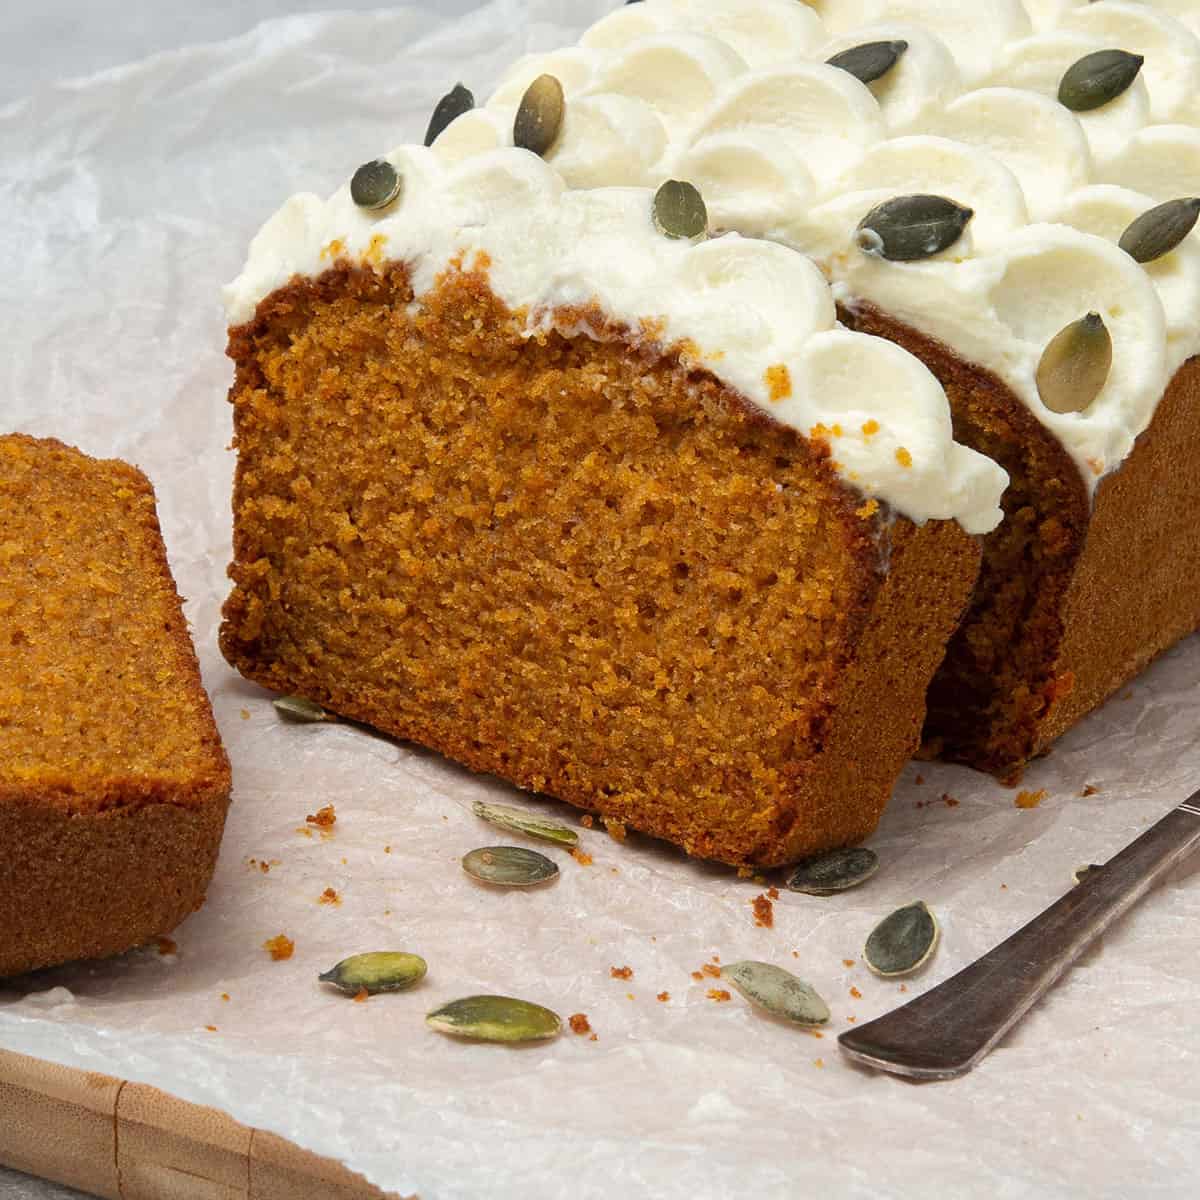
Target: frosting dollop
{"points": [[757, 315]]}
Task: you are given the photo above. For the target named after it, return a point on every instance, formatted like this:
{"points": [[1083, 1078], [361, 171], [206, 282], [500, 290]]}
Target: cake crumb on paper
{"points": [[579, 1023], [663, 997], [764, 911], [323, 818], [1030, 799], [720, 995], [280, 948], [329, 896], [621, 972], [582, 857]]}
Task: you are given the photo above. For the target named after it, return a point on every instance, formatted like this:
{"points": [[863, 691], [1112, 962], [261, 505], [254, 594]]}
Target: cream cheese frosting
{"points": [[757, 315], [787, 148]]}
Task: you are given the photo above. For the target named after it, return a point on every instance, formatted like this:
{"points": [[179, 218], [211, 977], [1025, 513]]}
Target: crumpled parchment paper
{"points": [[127, 199]]}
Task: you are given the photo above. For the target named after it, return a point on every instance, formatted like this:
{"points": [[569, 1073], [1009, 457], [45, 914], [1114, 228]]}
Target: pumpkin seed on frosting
{"points": [[825, 874], [1097, 79], [495, 1019], [539, 115], [902, 941], [679, 210], [452, 105], [870, 61], [375, 972], [530, 824], [1075, 365], [777, 991], [509, 866], [1160, 230], [909, 228], [375, 184]]}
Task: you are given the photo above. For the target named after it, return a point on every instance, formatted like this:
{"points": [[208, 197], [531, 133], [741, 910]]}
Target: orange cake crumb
{"points": [[166, 946], [711, 969], [1030, 799], [698, 976], [818, 1062], [280, 948], [614, 829], [224, 995], [856, 993], [361, 996], [779, 382], [211, 1028], [773, 893], [871, 427], [579, 1023], [663, 996], [586, 821], [621, 972], [904, 457], [1089, 790], [323, 818], [329, 896], [764, 911], [847, 962], [718, 994], [582, 857]]}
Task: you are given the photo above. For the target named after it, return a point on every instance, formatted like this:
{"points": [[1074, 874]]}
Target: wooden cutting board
{"points": [[127, 1141]]}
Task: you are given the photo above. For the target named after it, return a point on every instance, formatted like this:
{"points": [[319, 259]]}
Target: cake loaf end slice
{"points": [[113, 781]]}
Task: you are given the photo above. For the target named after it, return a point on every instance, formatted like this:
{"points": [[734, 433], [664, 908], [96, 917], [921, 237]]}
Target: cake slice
{"points": [[113, 780], [619, 516]]}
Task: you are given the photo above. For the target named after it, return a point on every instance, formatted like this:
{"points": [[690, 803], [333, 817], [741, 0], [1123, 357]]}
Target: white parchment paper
{"points": [[126, 200]]}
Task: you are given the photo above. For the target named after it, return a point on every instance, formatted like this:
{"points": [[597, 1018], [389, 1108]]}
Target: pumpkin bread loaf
{"points": [[113, 781]]}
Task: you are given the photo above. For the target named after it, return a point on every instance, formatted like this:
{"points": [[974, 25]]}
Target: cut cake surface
{"points": [[113, 781], [575, 562]]}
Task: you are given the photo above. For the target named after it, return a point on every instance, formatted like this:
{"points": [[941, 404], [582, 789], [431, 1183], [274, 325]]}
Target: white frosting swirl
{"points": [[786, 148], [757, 315]]}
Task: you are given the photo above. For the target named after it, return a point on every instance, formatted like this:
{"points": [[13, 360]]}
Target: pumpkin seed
{"points": [[870, 61], [1098, 78], [539, 115], [378, 971], [835, 872], [452, 105], [1081, 873], [902, 942], [1160, 230], [1075, 365], [679, 210], [520, 821], [375, 184], [509, 866], [495, 1019], [297, 708], [908, 228], [778, 991]]}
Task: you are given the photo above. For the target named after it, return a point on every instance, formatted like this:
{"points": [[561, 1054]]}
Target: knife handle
{"points": [[944, 1032]]}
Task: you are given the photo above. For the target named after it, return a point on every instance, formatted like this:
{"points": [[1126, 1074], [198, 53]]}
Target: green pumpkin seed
{"points": [[509, 866], [1160, 230], [679, 210], [296, 708], [778, 991], [1081, 873], [452, 105], [495, 1019], [375, 184], [908, 228], [870, 61], [902, 942], [826, 874], [1098, 78], [520, 821], [1075, 365], [378, 971], [539, 115]]}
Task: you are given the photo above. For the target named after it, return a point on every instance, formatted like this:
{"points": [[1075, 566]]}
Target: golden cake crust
{"points": [[583, 565], [113, 781]]}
